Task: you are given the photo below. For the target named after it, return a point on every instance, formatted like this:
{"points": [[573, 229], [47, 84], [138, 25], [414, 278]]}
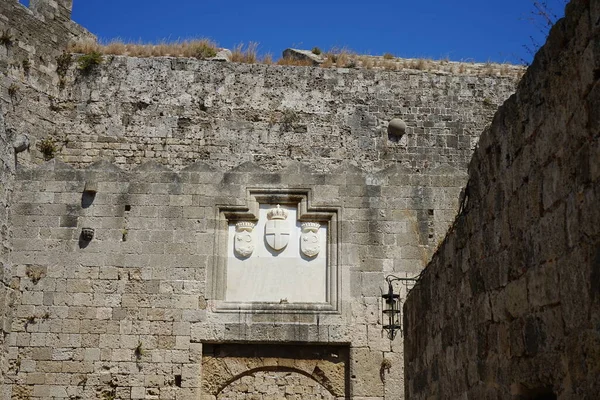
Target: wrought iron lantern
{"points": [[392, 306]]}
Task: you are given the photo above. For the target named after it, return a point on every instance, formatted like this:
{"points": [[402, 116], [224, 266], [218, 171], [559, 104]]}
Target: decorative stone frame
{"points": [[303, 200], [225, 363]]}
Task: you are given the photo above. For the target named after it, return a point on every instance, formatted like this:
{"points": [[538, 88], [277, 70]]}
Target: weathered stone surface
{"points": [[222, 55], [165, 144], [304, 55], [261, 369], [275, 385], [144, 276], [222, 114], [6, 291], [509, 306]]}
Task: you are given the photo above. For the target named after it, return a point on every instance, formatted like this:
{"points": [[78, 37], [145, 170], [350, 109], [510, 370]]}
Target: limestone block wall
{"points": [[128, 313], [509, 307], [275, 384], [32, 39], [6, 178], [267, 371], [36, 37], [178, 111]]}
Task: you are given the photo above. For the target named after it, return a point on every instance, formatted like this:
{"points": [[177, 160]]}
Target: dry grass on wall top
{"points": [[198, 48], [334, 58], [248, 55]]}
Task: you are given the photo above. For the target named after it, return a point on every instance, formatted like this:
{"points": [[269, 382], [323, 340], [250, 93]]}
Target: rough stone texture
{"points": [[509, 307], [126, 315], [83, 308], [178, 111], [275, 385], [39, 34], [241, 371], [222, 55], [303, 55], [6, 186], [27, 66]]}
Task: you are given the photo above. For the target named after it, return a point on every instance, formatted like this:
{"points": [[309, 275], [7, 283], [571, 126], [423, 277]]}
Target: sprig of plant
{"points": [[109, 394], [48, 148], [35, 274], [248, 55], [202, 49], [6, 38], [13, 90], [63, 63], [88, 62], [543, 16], [26, 65]]}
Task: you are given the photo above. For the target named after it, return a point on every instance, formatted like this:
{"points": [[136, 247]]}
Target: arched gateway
{"points": [[258, 371], [275, 383]]}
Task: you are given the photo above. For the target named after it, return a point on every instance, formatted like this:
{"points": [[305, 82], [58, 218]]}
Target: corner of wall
{"points": [[52, 9], [6, 179]]}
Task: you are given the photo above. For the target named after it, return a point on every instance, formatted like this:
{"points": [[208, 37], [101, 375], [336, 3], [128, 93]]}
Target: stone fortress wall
{"points": [[509, 307], [6, 177], [36, 34], [159, 156], [177, 111]]}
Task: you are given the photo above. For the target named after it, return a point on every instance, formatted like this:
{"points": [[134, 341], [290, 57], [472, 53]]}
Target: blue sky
{"points": [[480, 30]]}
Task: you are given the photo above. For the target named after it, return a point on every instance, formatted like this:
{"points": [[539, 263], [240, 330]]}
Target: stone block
{"points": [[543, 285], [516, 298], [364, 371]]}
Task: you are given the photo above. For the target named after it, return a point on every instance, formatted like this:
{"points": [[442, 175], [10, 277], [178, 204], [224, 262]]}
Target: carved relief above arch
{"points": [[278, 371], [277, 382]]}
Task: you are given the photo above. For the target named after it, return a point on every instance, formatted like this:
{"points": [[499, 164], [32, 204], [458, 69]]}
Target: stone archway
{"points": [[275, 383], [261, 371]]}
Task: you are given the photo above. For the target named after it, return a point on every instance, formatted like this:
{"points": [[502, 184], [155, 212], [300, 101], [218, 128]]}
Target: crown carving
{"points": [[310, 226], [244, 226], [277, 213]]}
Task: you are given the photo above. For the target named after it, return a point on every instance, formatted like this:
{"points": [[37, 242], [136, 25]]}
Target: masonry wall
{"points": [[509, 306], [6, 177], [127, 314], [178, 111], [36, 36], [82, 309]]}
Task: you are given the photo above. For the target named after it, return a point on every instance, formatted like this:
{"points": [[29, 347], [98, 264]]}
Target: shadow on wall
{"points": [[521, 392]]}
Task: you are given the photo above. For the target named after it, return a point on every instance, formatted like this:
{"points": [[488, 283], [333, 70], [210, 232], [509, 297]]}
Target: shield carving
{"points": [[243, 242], [277, 230], [309, 240]]}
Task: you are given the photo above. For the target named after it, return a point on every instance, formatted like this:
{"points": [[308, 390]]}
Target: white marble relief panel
{"points": [[278, 260]]}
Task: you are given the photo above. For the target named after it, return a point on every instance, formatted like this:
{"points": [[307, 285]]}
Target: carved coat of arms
{"points": [[309, 240], [277, 229], [243, 242]]}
